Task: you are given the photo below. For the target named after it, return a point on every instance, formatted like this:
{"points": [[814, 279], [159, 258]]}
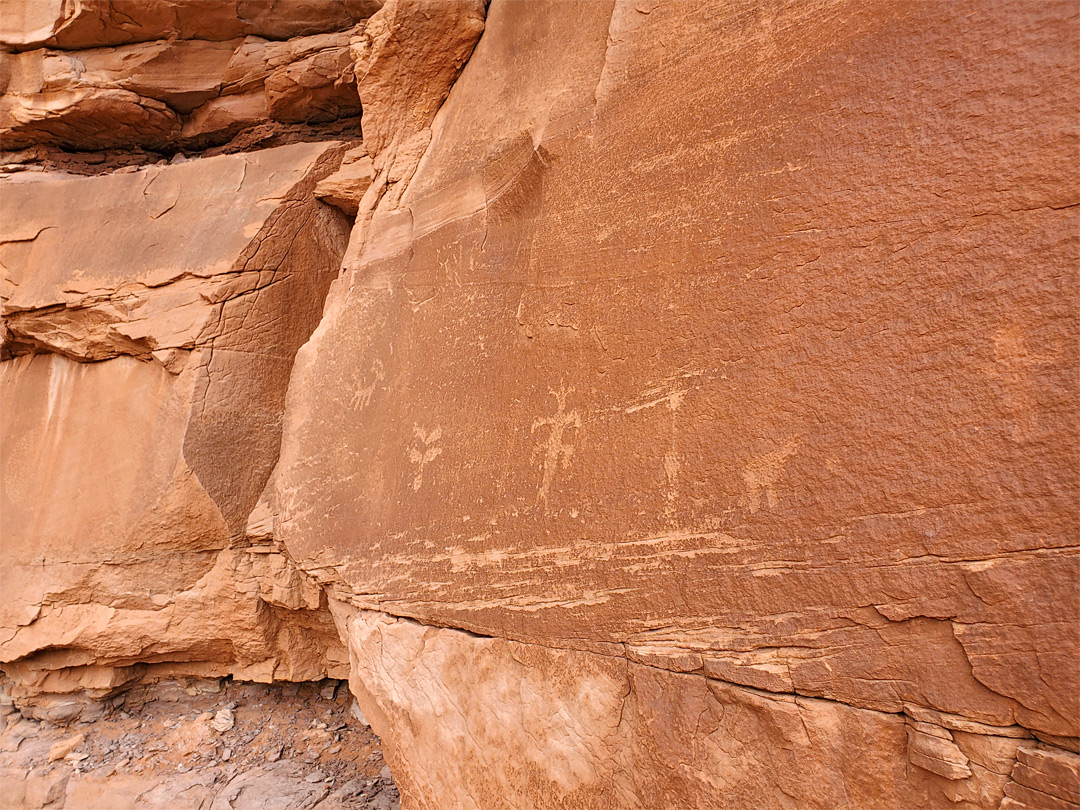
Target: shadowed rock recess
{"points": [[642, 403]]}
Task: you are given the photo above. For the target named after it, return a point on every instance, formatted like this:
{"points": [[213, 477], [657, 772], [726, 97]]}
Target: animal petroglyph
{"points": [[761, 475]]}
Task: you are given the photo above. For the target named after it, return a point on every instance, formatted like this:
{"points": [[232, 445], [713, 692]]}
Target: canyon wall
{"points": [[666, 404], [152, 306]]}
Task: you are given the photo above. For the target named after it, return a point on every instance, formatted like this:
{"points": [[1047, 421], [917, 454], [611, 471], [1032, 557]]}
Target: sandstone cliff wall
{"points": [[154, 316], [692, 420]]}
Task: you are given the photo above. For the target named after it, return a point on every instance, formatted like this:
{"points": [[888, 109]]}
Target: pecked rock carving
{"points": [[797, 525]]}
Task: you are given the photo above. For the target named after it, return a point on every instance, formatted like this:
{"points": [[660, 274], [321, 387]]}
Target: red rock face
{"points": [[733, 349], [693, 421], [175, 74], [154, 315]]}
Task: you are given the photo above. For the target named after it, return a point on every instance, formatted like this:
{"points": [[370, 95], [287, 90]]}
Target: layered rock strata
{"points": [[174, 75], [693, 421], [75, 24], [151, 321]]}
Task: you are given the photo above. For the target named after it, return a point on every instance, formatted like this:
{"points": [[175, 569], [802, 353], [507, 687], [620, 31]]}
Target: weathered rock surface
{"points": [[128, 482], [675, 405], [589, 730], [346, 187], [74, 24], [1042, 777], [172, 93], [407, 58], [713, 371]]}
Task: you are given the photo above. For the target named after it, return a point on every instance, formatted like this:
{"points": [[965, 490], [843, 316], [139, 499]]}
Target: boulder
{"points": [[76, 102]]}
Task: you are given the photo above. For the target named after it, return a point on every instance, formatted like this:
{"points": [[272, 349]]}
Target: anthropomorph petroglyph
{"points": [[422, 452], [555, 450]]}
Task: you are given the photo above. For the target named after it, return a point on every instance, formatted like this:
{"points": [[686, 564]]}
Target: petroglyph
{"points": [[761, 475], [422, 453], [364, 393], [555, 450]]}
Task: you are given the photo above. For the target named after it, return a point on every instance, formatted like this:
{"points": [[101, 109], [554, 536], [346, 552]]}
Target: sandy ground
{"points": [[203, 745]]}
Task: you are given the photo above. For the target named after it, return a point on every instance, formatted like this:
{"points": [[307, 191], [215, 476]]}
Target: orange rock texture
{"points": [[654, 404]]}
